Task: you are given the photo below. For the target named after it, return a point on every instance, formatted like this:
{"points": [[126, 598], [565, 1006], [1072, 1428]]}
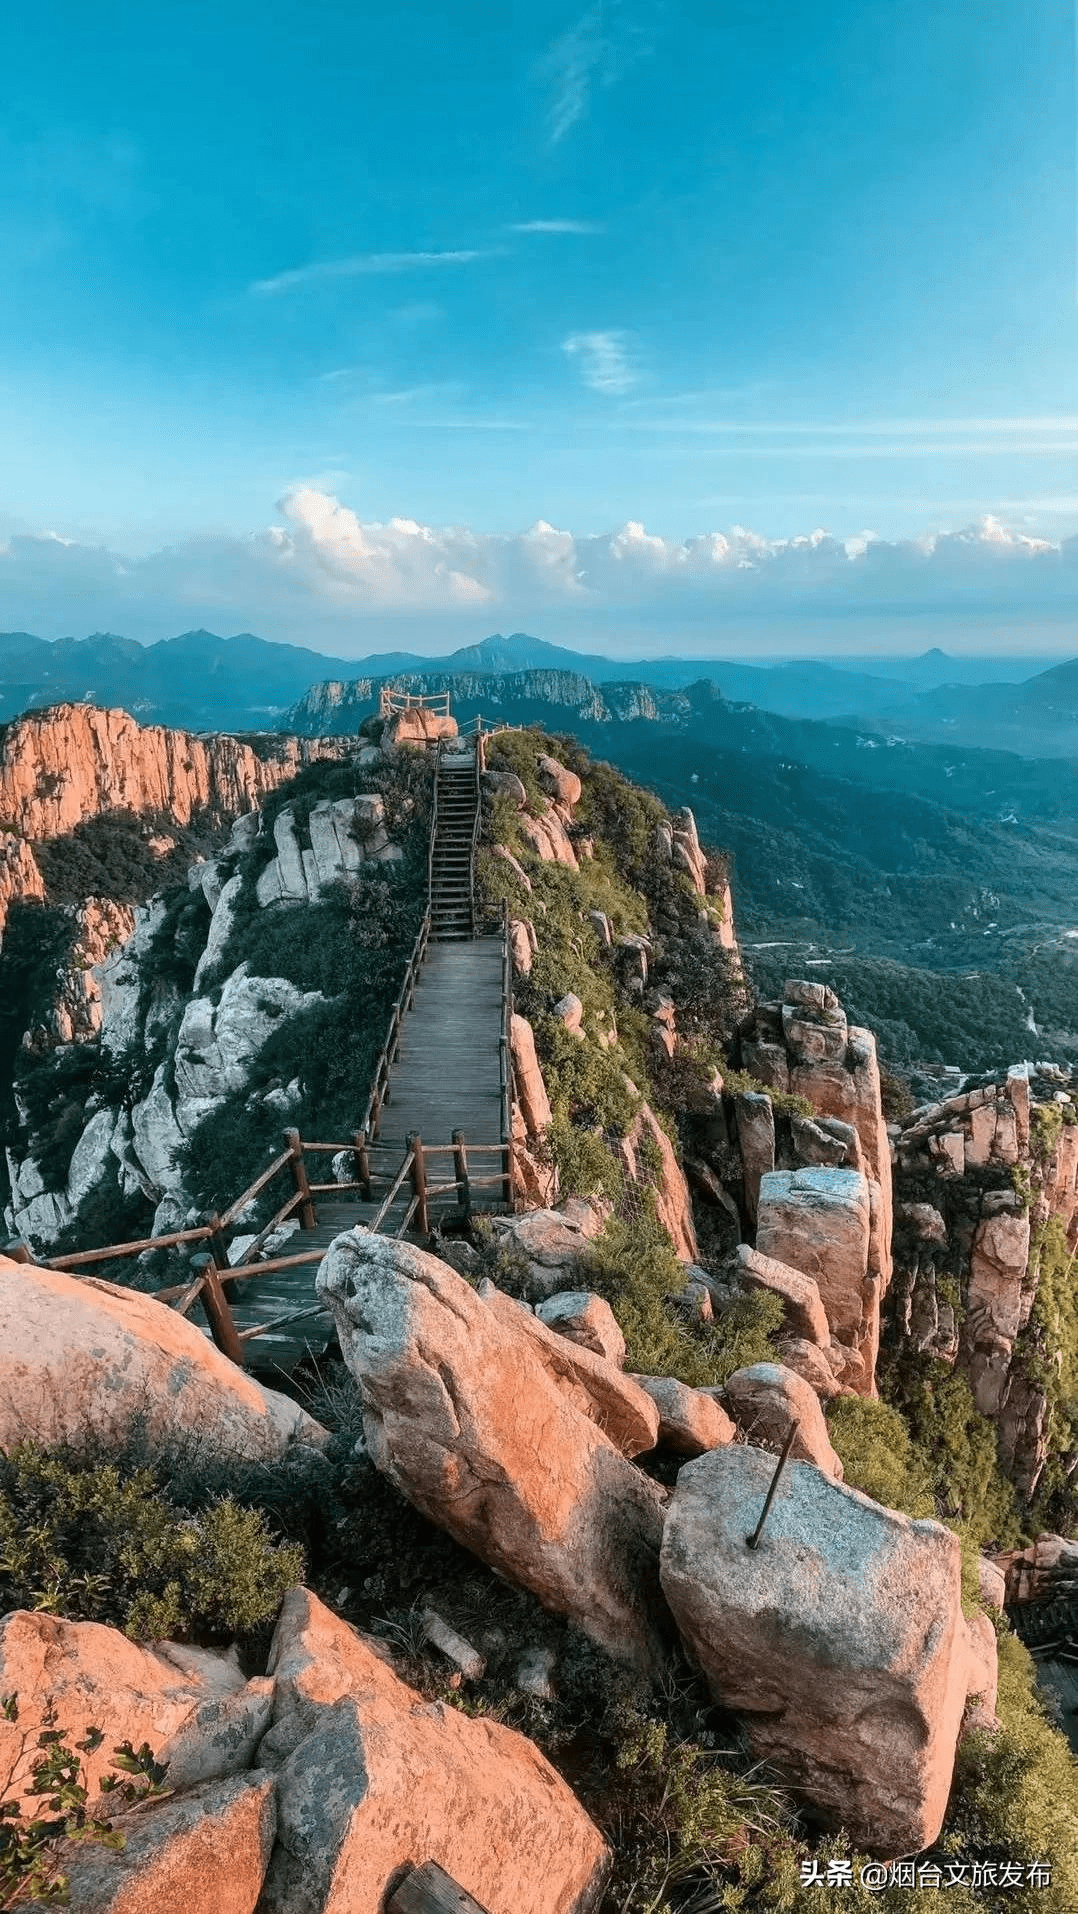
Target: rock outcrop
{"points": [[820, 1222], [206, 1848], [192, 1706], [462, 1413], [981, 1175], [370, 1779], [74, 761], [805, 1047], [839, 1641], [82, 1357]]}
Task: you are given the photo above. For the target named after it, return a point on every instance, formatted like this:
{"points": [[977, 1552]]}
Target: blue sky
{"points": [[309, 320]]}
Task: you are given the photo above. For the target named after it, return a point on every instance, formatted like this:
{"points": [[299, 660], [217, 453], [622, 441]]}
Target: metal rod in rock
{"points": [[753, 1540]]}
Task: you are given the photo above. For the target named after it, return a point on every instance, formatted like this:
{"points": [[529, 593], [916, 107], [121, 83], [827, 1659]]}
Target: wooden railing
{"points": [[212, 1270], [390, 701]]}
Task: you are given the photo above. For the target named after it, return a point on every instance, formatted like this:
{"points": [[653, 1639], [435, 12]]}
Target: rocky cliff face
{"points": [[73, 762], [61, 766], [980, 1180], [336, 706]]}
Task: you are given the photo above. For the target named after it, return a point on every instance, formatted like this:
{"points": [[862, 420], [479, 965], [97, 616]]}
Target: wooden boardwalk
{"points": [[446, 1076]]}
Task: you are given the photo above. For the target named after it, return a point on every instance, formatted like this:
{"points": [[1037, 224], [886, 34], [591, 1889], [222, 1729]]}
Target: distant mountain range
{"points": [[204, 682]]}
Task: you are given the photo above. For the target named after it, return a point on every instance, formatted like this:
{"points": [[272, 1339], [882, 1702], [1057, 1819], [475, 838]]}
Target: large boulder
{"points": [[766, 1399], [840, 1640], [461, 1411], [202, 1850], [799, 1294], [691, 1421], [820, 1222], [83, 1357], [563, 785], [552, 1242], [192, 1706], [613, 1401], [371, 1778]]}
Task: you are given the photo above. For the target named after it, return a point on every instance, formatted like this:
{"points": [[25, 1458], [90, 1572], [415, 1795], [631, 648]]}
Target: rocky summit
{"points": [[496, 1415]]}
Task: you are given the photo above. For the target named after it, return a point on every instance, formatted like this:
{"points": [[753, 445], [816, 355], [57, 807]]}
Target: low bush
{"points": [[84, 1537], [631, 1263]]}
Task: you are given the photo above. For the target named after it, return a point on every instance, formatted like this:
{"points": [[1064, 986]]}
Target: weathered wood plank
{"points": [[429, 1890]]}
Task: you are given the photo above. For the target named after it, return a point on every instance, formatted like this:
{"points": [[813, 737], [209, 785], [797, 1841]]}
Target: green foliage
{"points": [[83, 1537], [958, 1447], [1016, 1792], [113, 856], [29, 1867], [519, 752], [783, 1102], [1047, 1353], [632, 1264], [878, 1454], [1045, 1128]]}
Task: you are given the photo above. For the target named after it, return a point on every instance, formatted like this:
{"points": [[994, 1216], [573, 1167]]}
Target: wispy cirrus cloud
{"points": [[601, 45], [357, 265], [583, 226], [605, 363]]}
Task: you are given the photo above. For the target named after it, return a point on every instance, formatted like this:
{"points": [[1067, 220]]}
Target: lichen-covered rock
{"points": [[371, 1778], [839, 1641], [83, 1358], [766, 1399], [204, 1849], [462, 1413]]}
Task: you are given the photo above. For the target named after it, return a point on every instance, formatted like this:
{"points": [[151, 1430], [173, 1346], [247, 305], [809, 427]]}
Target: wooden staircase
{"points": [[452, 866]]}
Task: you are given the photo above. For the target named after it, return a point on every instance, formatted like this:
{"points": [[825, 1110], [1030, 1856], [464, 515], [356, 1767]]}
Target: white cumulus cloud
{"points": [[324, 573]]}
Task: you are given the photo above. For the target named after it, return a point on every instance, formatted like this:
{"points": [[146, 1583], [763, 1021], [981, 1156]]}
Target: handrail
{"points": [[387, 1054], [433, 826], [387, 1205], [391, 700]]}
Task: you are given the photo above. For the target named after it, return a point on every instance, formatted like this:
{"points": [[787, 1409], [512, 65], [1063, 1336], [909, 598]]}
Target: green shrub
{"points": [[958, 1448], [632, 1264], [1016, 1792], [878, 1455], [83, 1538]]}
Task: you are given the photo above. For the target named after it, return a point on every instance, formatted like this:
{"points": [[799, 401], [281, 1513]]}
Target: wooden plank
{"points": [[430, 1890]]}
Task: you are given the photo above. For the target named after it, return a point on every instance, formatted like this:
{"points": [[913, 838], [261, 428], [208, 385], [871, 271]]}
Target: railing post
{"points": [[363, 1164], [307, 1215], [419, 1182], [509, 1196], [460, 1171], [218, 1314]]}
